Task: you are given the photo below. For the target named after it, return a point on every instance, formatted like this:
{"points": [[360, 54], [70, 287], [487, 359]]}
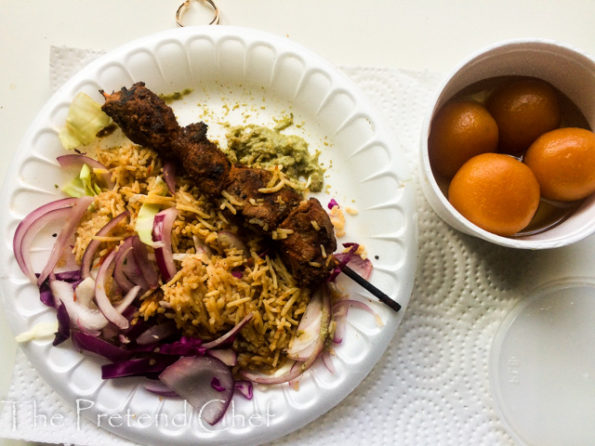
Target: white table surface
{"points": [[430, 35]]}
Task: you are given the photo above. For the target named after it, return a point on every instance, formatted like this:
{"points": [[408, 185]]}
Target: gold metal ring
{"points": [[182, 9]]}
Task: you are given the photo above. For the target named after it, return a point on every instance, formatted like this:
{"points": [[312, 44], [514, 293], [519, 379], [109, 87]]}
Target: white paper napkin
{"points": [[430, 388]]}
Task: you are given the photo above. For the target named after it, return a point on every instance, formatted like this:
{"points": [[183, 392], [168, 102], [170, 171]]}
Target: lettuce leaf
{"points": [[82, 185], [85, 118], [147, 212]]}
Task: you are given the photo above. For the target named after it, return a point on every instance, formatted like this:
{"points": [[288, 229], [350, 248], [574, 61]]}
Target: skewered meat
{"points": [[147, 120], [205, 163], [196, 132], [144, 117], [311, 241], [266, 210]]}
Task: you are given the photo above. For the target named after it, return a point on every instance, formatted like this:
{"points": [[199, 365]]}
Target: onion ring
{"points": [[77, 160], [87, 260], [229, 335], [112, 314], [30, 227]]}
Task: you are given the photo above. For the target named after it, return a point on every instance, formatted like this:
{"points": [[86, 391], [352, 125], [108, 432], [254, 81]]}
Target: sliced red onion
{"points": [[308, 330], [229, 239], [77, 211], [332, 203], [119, 262], [141, 257], [230, 335], [156, 333], [244, 388], [30, 227], [169, 175], [294, 382], [162, 226], [298, 367], [354, 303], [340, 309], [360, 265], [311, 327], [127, 300], [126, 271], [103, 302], [87, 318], [87, 261], [328, 362], [191, 378], [200, 247], [77, 160], [227, 356], [158, 388], [340, 318], [85, 292]]}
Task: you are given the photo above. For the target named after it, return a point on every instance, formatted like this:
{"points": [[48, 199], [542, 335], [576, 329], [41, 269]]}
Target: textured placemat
{"points": [[431, 386]]}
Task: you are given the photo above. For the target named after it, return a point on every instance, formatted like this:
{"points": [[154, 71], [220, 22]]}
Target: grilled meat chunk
{"points": [[205, 163], [196, 132], [312, 241], [144, 117], [265, 210]]}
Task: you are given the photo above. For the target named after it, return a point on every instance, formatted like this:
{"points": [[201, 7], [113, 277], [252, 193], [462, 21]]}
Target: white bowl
{"points": [[571, 72]]}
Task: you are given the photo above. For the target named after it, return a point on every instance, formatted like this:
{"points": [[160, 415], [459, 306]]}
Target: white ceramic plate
{"points": [[239, 76]]}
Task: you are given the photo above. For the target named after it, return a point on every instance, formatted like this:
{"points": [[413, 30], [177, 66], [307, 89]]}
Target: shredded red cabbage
{"points": [[47, 298], [244, 388], [184, 347], [157, 333], [169, 175], [343, 260], [216, 384], [158, 388], [45, 293], [63, 332], [95, 344], [147, 366]]}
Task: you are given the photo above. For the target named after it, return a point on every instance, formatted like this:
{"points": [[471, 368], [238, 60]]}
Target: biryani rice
{"points": [[216, 285]]}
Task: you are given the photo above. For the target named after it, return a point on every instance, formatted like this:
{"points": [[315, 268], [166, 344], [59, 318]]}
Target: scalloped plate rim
{"points": [[409, 238]]}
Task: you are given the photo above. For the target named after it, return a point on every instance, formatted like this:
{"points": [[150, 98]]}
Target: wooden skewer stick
{"points": [[371, 288]]}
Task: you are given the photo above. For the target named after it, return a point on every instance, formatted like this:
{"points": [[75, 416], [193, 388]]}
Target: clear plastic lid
{"points": [[542, 367]]}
